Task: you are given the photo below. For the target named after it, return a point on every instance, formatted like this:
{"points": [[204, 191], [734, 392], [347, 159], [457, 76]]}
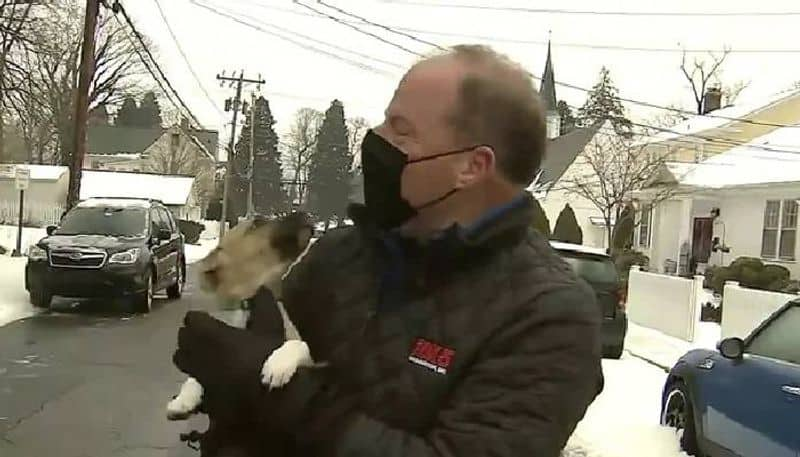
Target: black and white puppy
{"points": [[256, 253]]}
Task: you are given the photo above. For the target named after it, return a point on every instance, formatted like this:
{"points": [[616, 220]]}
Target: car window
{"points": [[97, 220], [780, 339], [166, 219], [593, 269], [157, 220]]}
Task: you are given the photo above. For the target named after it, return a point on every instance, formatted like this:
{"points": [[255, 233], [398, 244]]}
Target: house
{"points": [[44, 199], [174, 191], [719, 130], [743, 202]]}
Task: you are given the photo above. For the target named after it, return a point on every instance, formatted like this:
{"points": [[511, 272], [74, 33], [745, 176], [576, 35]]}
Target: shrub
{"points": [[191, 230], [3, 250], [625, 259], [567, 229], [749, 272], [539, 221]]}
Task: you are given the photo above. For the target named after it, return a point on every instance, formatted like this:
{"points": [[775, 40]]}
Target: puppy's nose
{"points": [[211, 277]]}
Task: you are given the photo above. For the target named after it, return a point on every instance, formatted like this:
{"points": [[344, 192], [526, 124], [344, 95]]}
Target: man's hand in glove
{"points": [[226, 361]]}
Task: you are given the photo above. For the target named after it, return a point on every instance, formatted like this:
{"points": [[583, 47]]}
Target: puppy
{"points": [[256, 253]]}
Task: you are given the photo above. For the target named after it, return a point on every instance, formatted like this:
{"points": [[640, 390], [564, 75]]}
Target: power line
{"points": [[118, 7], [364, 32], [629, 100], [595, 46], [186, 59], [519, 9], [348, 60]]}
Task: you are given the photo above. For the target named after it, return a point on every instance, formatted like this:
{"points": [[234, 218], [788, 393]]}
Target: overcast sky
{"points": [[363, 71]]}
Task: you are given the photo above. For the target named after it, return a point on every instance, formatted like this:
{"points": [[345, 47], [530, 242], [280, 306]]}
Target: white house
{"points": [[744, 200]]}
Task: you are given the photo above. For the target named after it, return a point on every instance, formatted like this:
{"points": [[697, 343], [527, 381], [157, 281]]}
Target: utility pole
{"points": [[234, 105], [82, 102]]}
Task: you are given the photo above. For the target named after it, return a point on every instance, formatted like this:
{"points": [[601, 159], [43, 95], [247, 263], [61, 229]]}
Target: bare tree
{"points": [[178, 153], [609, 170], [299, 148], [356, 129], [14, 19]]}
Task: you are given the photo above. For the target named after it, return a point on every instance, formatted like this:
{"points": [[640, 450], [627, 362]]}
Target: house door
{"points": [[701, 240]]}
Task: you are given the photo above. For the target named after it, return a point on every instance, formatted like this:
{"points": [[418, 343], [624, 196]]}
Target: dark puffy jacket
{"points": [[482, 342]]}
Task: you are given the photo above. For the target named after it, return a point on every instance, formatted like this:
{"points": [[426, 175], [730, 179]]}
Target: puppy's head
{"points": [[253, 254]]}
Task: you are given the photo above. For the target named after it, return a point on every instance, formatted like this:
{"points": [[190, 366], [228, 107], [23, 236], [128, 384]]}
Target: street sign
{"points": [[22, 178]]}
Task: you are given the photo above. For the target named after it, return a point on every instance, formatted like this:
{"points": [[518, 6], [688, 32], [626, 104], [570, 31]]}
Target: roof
{"points": [[562, 151], [112, 139], [38, 172], [114, 203], [169, 189], [718, 118], [559, 246], [753, 163], [548, 87]]}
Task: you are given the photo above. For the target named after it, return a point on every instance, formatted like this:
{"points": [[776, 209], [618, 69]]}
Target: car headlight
{"points": [[36, 253], [126, 257]]}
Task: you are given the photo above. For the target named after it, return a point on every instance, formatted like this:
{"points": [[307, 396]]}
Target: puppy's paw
{"points": [[283, 363], [186, 402]]}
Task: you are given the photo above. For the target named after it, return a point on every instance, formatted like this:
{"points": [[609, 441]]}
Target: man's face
{"points": [[417, 123]]}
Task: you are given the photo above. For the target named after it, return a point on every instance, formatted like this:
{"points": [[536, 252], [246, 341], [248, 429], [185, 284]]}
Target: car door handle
{"points": [[792, 390]]}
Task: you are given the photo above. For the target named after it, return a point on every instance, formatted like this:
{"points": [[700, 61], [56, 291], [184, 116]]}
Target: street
{"points": [[89, 383]]}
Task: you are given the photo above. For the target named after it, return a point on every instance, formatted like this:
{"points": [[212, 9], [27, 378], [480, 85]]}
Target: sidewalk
{"points": [[664, 350]]}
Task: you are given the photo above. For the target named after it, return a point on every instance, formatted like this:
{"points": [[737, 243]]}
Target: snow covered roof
{"points": [[38, 172], [114, 203], [767, 159], [169, 189], [719, 118]]}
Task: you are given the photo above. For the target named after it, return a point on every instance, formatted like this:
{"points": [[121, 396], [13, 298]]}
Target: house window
{"points": [[645, 224], [779, 236], [175, 141]]}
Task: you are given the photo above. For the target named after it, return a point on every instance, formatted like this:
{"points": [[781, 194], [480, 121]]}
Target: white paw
{"points": [[187, 401], [283, 363]]}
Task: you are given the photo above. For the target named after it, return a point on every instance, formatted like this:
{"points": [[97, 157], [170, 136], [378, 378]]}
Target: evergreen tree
{"points": [[149, 115], [567, 118], [268, 194], [603, 104], [540, 222], [329, 175], [567, 229], [128, 113]]}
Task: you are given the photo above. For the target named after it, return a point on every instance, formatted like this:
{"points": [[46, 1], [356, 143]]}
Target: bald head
{"points": [[495, 103]]}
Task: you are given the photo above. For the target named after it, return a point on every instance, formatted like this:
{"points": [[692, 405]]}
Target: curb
{"points": [[650, 361]]}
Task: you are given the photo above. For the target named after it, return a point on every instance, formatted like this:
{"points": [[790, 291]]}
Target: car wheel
{"points": [[143, 302], [614, 352], [175, 291], [41, 298], [679, 414]]}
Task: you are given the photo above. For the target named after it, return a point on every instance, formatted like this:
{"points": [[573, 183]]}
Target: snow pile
{"points": [[195, 252], [624, 419], [14, 303], [664, 350]]}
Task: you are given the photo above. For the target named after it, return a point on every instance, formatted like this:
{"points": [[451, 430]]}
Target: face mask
{"points": [[382, 165]]}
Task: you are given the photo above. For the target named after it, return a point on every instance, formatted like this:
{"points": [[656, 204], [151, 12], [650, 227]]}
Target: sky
{"points": [[319, 59]]}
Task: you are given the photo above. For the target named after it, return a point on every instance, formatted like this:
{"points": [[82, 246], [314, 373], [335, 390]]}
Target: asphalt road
{"points": [[93, 382]]}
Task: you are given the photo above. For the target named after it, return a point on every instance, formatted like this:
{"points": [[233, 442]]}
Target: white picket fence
{"points": [[744, 309], [669, 304], [35, 214]]}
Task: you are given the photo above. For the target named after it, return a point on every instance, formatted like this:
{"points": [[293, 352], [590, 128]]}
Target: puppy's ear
{"points": [[291, 234]]}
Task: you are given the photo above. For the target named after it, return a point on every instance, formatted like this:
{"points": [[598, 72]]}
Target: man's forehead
{"points": [[429, 86]]}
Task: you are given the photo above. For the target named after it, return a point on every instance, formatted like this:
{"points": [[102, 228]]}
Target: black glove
{"points": [[226, 361]]}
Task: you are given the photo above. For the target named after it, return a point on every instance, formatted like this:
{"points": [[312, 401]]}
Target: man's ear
{"points": [[479, 163]]}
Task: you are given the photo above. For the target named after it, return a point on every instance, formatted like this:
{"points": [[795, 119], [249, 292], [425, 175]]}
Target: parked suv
{"points": [[109, 247], [598, 269]]}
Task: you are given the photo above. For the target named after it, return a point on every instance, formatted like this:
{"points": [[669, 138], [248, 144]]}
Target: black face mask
{"points": [[382, 165]]}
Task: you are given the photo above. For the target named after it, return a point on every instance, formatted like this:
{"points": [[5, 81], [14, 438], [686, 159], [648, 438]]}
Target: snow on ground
{"points": [[623, 421], [14, 303], [195, 252], [664, 350]]}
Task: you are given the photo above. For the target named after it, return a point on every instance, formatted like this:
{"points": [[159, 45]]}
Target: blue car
{"points": [[742, 400]]}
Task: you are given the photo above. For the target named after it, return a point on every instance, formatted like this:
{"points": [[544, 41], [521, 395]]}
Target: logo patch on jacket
{"points": [[432, 356]]}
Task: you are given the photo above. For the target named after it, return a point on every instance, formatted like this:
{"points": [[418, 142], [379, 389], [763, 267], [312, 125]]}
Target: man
{"points": [[450, 327]]}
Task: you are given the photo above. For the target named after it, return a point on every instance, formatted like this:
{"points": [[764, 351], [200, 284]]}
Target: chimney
{"points": [[712, 100]]}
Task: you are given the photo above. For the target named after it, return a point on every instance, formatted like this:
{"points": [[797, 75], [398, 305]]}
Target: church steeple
{"points": [[547, 91]]}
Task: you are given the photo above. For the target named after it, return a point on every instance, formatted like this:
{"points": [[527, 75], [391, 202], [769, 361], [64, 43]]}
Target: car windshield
{"points": [[126, 222], [594, 269]]}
